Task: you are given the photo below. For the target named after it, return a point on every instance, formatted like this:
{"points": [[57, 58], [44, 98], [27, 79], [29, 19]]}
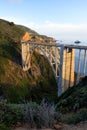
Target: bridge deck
{"points": [[57, 45]]}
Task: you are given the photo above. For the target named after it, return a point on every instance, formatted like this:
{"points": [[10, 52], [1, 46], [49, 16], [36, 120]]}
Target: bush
{"points": [[10, 113], [16, 94], [46, 114], [13, 115], [43, 115], [78, 117], [4, 127], [30, 113]]}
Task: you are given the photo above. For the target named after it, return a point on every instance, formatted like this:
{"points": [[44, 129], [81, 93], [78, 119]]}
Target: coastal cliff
{"points": [[15, 84]]}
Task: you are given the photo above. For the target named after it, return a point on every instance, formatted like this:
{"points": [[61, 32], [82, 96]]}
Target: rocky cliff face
{"points": [[42, 39]]}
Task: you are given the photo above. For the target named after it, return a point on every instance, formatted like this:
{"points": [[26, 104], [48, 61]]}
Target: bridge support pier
{"points": [[60, 71], [26, 56], [66, 70]]}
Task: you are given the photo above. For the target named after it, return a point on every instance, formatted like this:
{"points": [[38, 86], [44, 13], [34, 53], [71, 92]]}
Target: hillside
{"points": [[74, 98], [15, 84]]}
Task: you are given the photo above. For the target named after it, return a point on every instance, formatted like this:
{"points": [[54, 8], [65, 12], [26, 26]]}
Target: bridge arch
{"points": [[51, 58]]}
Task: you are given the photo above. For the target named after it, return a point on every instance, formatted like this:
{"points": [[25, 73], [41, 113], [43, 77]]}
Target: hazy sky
{"points": [[61, 19]]}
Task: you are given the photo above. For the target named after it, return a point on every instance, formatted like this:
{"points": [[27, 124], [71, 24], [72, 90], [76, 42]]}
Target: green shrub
{"points": [[10, 113], [78, 117], [16, 94], [4, 127], [13, 115], [43, 115], [73, 99]]}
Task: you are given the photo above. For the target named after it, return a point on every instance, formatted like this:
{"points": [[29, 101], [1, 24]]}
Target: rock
{"points": [[20, 128], [18, 124], [45, 129], [77, 42], [57, 127]]}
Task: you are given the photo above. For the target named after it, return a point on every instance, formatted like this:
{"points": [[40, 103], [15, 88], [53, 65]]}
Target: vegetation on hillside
{"points": [[73, 103], [36, 115], [74, 98]]}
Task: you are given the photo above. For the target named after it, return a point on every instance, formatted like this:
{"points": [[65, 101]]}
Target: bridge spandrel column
{"points": [[25, 56], [60, 81]]}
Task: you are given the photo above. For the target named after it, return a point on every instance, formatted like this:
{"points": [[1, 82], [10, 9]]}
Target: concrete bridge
{"points": [[61, 58]]}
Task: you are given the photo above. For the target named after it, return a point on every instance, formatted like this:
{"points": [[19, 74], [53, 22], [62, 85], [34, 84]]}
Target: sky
{"points": [[60, 19]]}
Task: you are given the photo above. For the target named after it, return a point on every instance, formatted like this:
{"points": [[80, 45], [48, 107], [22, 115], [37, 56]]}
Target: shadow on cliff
{"points": [[11, 51]]}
